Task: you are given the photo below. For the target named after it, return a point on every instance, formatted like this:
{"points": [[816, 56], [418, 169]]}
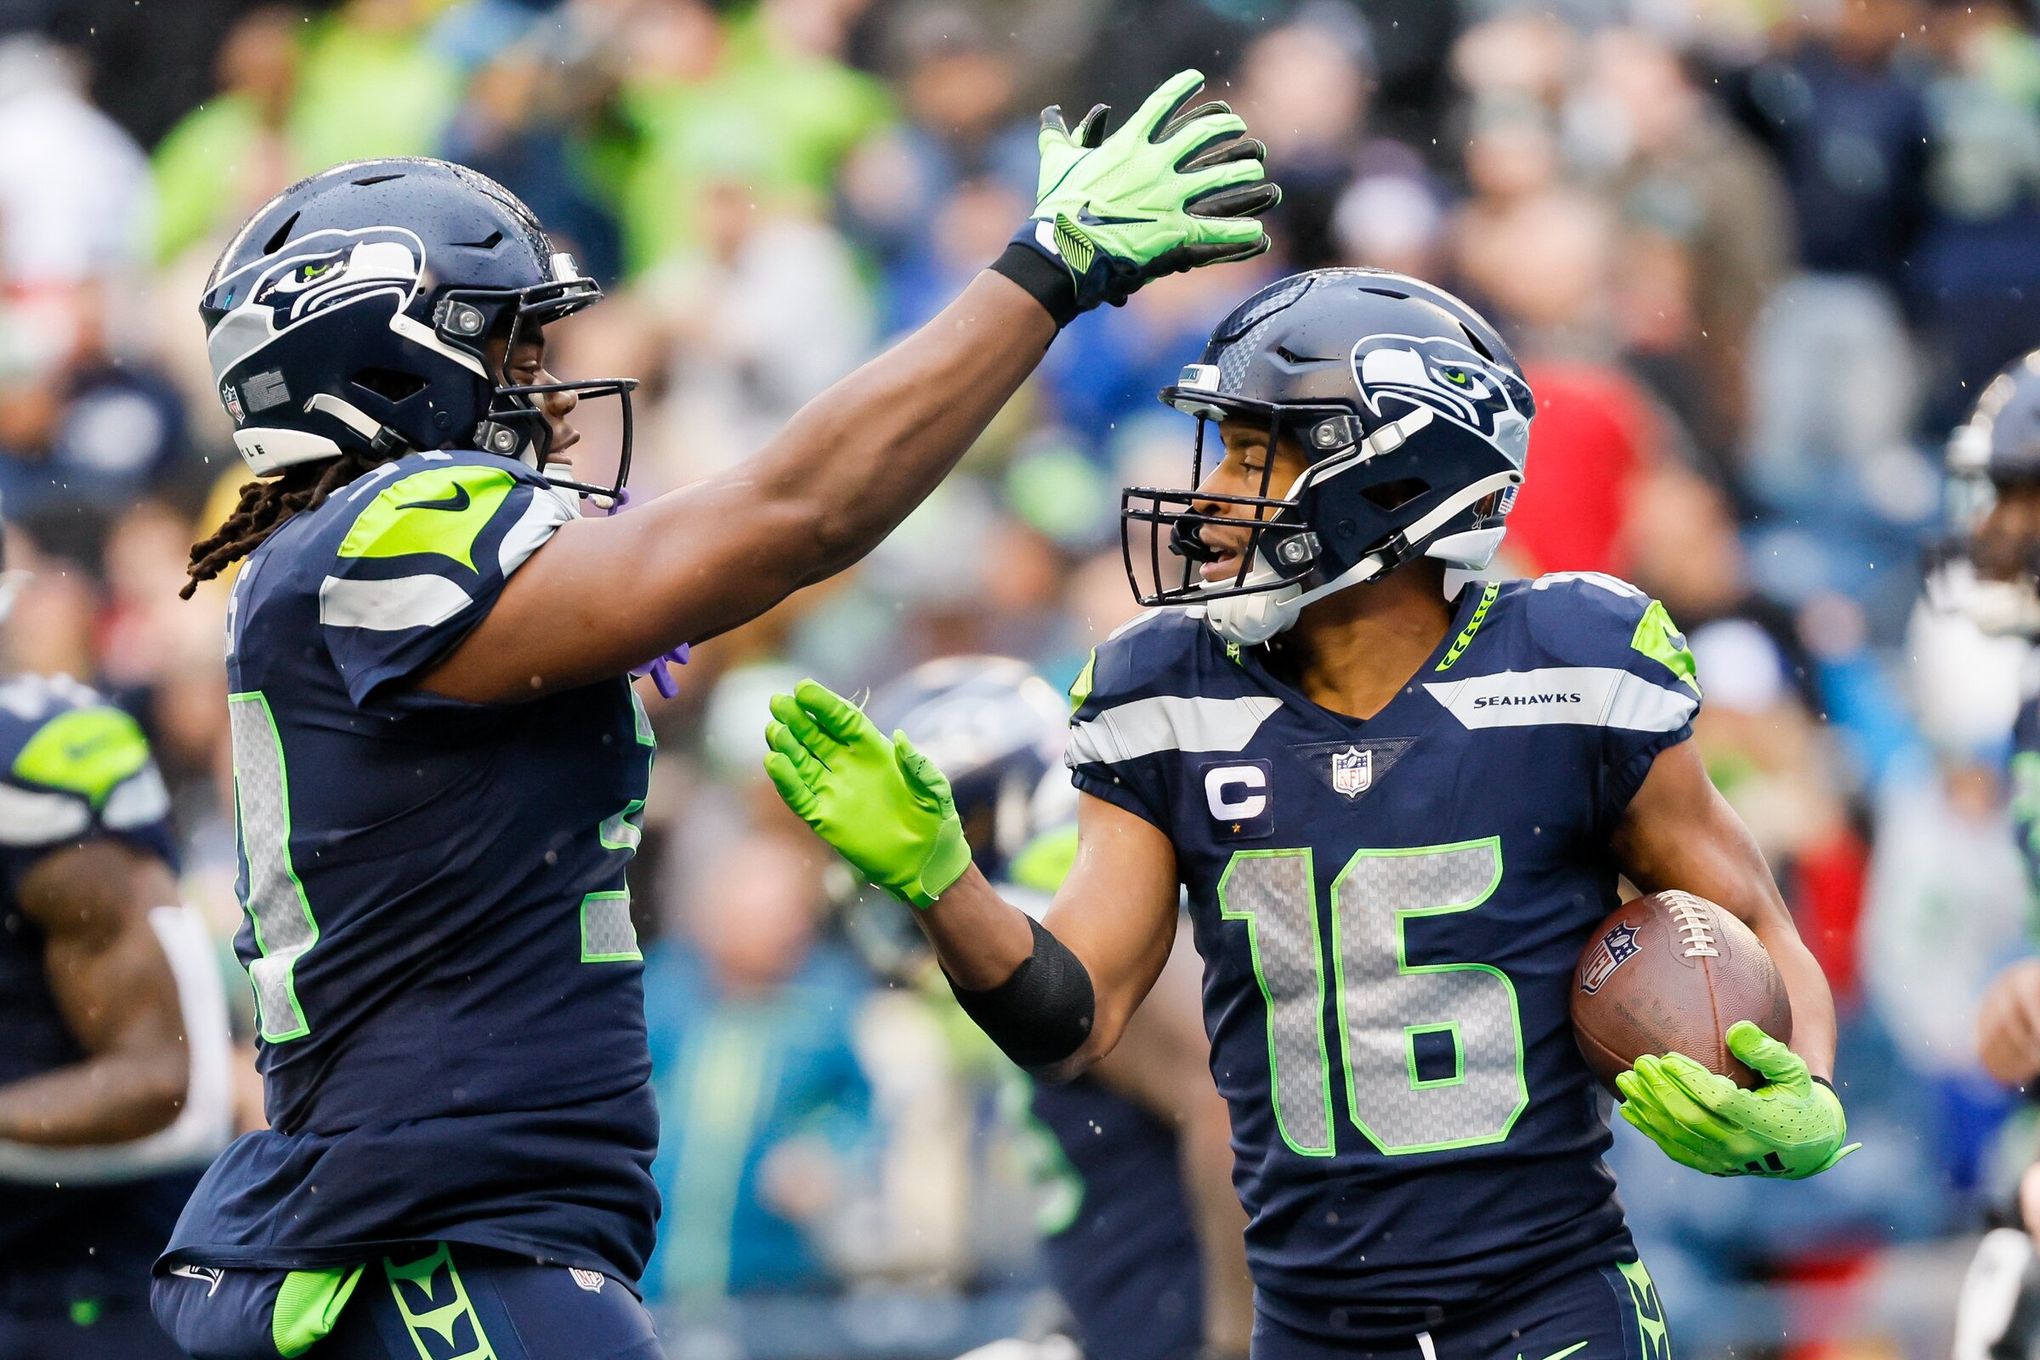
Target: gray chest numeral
{"points": [[1464, 1014]]}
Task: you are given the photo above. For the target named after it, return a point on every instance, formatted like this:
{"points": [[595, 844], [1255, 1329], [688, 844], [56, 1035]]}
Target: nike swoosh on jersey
{"points": [[1560, 1355], [457, 502]]}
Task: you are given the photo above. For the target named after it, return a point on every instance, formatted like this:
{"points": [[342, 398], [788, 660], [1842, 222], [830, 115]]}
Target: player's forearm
{"points": [[1022, 986], [869, 449], [1813, 1004], [112, 1098]]}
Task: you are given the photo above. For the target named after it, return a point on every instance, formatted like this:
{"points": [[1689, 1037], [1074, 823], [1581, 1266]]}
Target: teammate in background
{"points": [[440, 766], [114, 1057], [1145, 1247], [1398, 816], [1992, 574]]}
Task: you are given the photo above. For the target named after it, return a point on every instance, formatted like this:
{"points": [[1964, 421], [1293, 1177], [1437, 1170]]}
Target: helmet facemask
{"points": [[1991, 576], [515, 425], [1365, 504]]}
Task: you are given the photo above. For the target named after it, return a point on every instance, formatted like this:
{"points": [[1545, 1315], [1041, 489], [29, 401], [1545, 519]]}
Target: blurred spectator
{"points": [[762, 101], [227, 156], [766, 1107], [74, 189], [1683, 172], [368, 84]]}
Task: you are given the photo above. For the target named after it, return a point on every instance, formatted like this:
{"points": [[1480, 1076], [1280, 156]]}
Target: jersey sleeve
{"points": [[73, 768], [423, 561], [1632, 658], [1122, 739]]}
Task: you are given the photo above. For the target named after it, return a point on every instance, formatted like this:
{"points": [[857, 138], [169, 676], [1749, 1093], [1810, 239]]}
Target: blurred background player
{"points": [[1459, 779], [440, 764], [1991, 574], [114, 1077], [1142, 1230]]}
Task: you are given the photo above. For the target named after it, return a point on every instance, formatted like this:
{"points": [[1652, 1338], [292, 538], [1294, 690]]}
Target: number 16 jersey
{"points": [[447, 981], [1390, 912]]}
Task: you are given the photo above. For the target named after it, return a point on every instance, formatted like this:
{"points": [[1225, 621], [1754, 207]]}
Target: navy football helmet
{"points": [[354, 310], [1994, 578], [1416, 420], [995, 729]]}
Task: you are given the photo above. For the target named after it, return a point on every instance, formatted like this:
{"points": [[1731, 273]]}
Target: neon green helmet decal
{"points": [[87, 751], [440, 510]]}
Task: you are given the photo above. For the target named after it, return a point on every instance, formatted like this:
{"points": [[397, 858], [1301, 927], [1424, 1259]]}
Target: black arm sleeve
{"points": [[1040, 1015]]}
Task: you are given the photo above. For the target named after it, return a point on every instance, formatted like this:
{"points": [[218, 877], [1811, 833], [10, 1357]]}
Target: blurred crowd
{"points": [[1756, 257]]}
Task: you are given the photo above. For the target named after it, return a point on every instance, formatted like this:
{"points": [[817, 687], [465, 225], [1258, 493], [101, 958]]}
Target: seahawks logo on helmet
{"points": [[1450, 378], [313, 274]]}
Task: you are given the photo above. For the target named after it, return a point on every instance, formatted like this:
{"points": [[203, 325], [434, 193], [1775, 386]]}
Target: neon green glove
{"points": [[882, 804], [1791, 1127], [1170, 190]]}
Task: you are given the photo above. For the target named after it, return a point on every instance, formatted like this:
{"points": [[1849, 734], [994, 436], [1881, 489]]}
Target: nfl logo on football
{"points": [[1352, 771], [1613, 950]]}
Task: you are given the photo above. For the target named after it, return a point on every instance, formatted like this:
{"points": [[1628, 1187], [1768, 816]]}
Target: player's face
{"points": [[524, 363], [2007, 543], [1250, 468]]}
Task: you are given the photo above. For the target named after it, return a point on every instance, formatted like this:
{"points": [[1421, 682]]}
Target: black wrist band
{"points": [[1047, 282], [1831, 1087], [1043, 1013]]}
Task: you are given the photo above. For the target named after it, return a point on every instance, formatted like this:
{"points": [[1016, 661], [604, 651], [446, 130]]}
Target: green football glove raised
{"points": [[1170, 190], [882, 804], [1791, 1127]]}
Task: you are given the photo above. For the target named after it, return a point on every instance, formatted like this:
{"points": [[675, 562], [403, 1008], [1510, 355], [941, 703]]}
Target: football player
{"points": [[1398, 815], [440, 766], [114, 1057], [1991, 572], [1143, 1239]]}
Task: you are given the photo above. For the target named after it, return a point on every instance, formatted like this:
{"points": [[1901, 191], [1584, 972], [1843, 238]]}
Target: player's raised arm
{"points": [[1172, 188], [1679, 832], [1054, 995]]}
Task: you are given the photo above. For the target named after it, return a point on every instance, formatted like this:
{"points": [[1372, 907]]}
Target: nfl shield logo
{"points": [[1352, 771], [231, 399], [1610, 952]]}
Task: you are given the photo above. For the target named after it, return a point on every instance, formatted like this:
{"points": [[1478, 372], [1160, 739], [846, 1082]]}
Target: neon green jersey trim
{"points": [[1465, 638], [308, 1307], [1081, 690], [88, 751], [1658, 638], [440, 510]]}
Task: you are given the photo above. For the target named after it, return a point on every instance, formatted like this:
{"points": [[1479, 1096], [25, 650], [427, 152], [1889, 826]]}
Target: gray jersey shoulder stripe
{"points": [[1587, 696], [542, 517], [31, 818], [1168, 722], [389, 606]]}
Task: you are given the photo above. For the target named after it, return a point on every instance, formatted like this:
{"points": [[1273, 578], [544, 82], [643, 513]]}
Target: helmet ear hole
{"points": [[1396, 494], [389, 383]]}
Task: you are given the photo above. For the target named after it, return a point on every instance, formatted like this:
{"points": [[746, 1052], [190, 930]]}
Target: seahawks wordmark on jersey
{"points": [[1390, 912], [446, 976], [73, 768]]}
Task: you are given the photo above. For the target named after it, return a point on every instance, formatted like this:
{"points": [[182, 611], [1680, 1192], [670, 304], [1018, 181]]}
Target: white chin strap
{"points": [[1251, 619]]}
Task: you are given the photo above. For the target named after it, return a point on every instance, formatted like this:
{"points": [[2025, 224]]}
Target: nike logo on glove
{"points": [[1086, 218], [458, 501]]}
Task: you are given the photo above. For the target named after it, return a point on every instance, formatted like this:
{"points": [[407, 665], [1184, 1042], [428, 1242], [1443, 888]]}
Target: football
{"points": [[1669, 973]]}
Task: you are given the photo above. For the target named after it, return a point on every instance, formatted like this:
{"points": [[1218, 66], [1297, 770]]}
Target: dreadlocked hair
{"points": [[264, 505]]}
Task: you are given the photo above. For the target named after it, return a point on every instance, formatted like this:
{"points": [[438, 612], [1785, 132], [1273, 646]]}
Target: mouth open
{"points": [[1223, 568]]}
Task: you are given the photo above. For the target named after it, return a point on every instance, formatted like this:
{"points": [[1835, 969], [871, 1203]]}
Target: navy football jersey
{"points": [[2026, 788], [73, 768], [1121, 1247], [446, 975], [1390, 912]]}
